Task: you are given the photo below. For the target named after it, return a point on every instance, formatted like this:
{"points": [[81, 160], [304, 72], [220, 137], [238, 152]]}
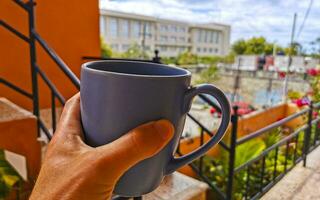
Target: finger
{"points": [[70, 120], [139, 144]]}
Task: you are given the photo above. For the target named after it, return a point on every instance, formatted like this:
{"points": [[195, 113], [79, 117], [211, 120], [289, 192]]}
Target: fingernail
{"points": [[164, 128]]}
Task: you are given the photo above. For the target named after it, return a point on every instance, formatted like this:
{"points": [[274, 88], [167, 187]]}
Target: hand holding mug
{"points": [[73, 170], [117, 96]]}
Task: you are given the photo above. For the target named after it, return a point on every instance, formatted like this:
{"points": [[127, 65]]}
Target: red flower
{"points": [[301, 102], [212, 110], [282, 74], [315, 114], [313, 72]]}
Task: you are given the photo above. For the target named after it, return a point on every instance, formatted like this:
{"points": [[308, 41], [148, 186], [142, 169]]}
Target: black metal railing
{"points": [[36, 71], [296, 146]]}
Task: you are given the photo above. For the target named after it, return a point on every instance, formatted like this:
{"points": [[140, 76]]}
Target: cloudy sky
{"points": [[269, 18]]}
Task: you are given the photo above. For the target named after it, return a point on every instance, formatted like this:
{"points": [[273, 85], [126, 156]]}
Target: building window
{"points": [[216, 50], [211, 35], [199, 49], [174, 28], [172, 49], [163, 48], [125, 47], [204, 50], [135, 29], [210, 50], [182, 29], [173, 39], [182, 39], [102, 25], [115, 47], [124, 31], [163, 28], [182, 49], [207, 36], [113, 27], [218, 38], [163, 38], [199, 35], [147, 29]]}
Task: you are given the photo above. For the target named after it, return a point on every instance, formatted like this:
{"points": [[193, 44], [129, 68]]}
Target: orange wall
{"points": [[70, 27]]}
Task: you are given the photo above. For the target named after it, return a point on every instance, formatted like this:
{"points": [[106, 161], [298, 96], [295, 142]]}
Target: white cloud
{"points": [[269, 18]]}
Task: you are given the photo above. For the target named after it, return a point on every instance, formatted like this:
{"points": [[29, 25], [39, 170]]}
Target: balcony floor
{"points": [[301, 183]]}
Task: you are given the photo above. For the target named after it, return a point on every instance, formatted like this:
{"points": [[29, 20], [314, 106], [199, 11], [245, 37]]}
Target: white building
{"points": [[170, 37]]}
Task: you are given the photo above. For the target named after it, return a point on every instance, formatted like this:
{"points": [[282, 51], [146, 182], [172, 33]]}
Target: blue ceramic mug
{"points": [[117, 96]]}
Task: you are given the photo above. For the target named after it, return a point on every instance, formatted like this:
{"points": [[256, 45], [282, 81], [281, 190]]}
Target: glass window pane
{"points": [[173, 38], [113, 27], [135, 29], [124, 31], [199, 35], [218, 38], [102, 26]]}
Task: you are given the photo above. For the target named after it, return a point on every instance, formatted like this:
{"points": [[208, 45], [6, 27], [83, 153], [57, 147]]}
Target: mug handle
{"points": [[176, 163]]}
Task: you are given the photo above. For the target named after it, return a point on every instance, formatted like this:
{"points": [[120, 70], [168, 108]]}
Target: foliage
{"points": [[272, 136], [248, 151], [135, 52], [294, 50], [275, 162], [187, 58], [315, 48], [259, 45], [315, 85], [106, 50], [169, 60], [208, 75], [294, 95], [8, 176], [254, 45]]}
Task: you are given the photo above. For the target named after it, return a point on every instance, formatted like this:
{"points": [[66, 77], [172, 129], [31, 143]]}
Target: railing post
{"points": [[156, 58], [232, 153], [33, 60], [307, 135]]}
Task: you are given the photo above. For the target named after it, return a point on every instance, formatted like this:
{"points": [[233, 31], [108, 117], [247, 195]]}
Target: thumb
{"points": [[140, 143]]}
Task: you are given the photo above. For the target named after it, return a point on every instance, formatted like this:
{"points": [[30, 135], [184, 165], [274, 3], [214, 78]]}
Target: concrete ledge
{"points": [[179, 187], [301, 183], [18, 134]]}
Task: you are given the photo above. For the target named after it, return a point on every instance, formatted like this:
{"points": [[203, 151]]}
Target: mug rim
{"points": [[86, 66]]}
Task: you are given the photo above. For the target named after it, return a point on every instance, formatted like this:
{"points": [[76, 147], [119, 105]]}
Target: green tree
{"points": [[315, 47], [169, 60], [135, 52], [239, 47], [253, 46], [106, 50], [208, 75], [294, 50], [187, 58]]}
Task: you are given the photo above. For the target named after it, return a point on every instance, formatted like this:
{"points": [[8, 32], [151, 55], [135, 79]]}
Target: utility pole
{"points": [[236, 82], [143, 40], [274, 50], [286, 80]]}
